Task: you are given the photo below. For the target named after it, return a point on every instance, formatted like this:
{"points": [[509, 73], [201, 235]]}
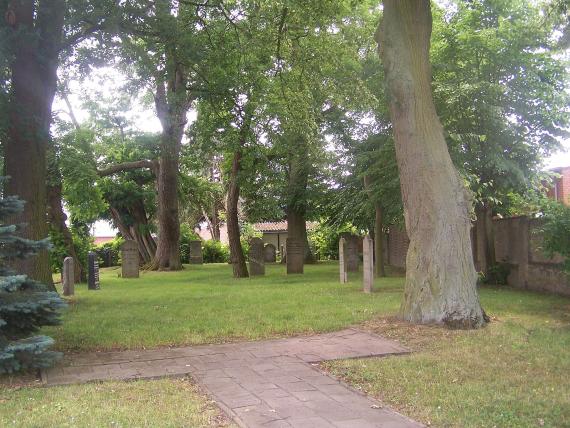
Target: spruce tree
{"points": [[25, 304]]}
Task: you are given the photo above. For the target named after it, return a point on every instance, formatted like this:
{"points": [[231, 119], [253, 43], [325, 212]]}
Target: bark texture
{"points": [[33, 86], [297, 200], [237, 258], [440, 274]]}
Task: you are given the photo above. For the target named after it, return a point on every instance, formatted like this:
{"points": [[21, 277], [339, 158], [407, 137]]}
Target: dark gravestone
{"points": [[256, 259], [270, 253], [351, 254], [68, 277], [196, 253], [130, 259], [295, 249], [93, 271]]}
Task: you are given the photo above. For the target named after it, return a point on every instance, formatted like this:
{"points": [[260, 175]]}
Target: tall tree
{"points": [[441, 282], [38, 34]]}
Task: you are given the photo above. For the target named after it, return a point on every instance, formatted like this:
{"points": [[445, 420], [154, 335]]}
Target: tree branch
{"points": [[127, 166]]}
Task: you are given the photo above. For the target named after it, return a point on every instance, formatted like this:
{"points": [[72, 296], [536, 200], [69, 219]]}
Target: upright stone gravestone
{"points": [[270, 253], [68, 277], [342, 261], [368, 264], [130, 259], [295, 250], [256, 258], [93, 271], [196, 257], [351, 254]]}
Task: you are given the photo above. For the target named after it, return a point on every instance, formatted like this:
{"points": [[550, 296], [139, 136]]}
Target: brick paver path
{"points": [[259, 384]]}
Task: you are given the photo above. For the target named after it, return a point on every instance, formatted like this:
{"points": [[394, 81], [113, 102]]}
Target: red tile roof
{"points": [[278, 226], [98, 240]]}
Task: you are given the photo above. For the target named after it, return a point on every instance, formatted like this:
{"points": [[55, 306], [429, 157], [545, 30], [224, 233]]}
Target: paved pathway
{"points": [[260, 384]]}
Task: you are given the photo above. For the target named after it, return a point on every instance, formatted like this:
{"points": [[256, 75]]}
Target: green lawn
{"points": [[155, 403], [204, 304], [513, 373]]}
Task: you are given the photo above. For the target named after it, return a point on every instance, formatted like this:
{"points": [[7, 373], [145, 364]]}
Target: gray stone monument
{"points": [[270, 253], [351, 254], [68, 277], [368, 264], [342, 261], [295, 250], [130, 259], [196, 257], [256, 257], [92, 271]]}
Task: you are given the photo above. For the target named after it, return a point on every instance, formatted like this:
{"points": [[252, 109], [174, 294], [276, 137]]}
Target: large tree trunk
{"points": [[33, 86], [379, 243], [171, 111], [138, 230], [237, 257], [441, 282], [297, 206], [167, 256]]}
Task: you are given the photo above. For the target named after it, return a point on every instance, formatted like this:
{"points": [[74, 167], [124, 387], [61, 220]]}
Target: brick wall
{"points": [[518, 242]]}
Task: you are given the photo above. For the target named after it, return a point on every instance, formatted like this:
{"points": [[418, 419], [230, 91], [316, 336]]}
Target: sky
{"points": [[108, 81]]}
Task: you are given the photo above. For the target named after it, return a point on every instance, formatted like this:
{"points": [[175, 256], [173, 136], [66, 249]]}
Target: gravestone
{"points": [[256, 258], [68, 277], [269, 253], [130, 259], [351, 253], [196, 257], [295, 250], [368, 264], [342, 261], [92, 271]]}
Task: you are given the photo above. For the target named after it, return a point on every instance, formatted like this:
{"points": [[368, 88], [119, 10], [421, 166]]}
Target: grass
{"points": [[513, 373], [204, 304], [164, 403]]}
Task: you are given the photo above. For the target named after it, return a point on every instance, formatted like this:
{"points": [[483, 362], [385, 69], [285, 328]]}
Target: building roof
{"points": [[278, 226], [99, 240]]}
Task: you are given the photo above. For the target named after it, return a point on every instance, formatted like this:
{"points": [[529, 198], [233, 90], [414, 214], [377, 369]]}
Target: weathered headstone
{"points": [[295, 250], [130, 259], [368, 264], [68, 277], [92, 271], [351, 253], [256, 258], [342, 261], [196, 257], [270, 253]]}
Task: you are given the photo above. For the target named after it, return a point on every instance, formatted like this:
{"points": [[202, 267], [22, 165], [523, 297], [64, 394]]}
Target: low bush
{"points": [[215, 252]]}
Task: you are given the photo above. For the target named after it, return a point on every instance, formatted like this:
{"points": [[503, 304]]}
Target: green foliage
{"points": [[498, 274], [246, 233], [187, 234], [325, 238], [109, 252], [82, 243], [556, 231], [25, 305], [215, 252]]}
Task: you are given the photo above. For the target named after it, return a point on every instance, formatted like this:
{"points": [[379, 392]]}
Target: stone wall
{"points": [[518, 242]]}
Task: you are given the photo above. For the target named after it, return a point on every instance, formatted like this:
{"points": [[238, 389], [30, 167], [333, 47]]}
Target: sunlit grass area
{"points": [[204, 304], [513, 373], [153, 403]]}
